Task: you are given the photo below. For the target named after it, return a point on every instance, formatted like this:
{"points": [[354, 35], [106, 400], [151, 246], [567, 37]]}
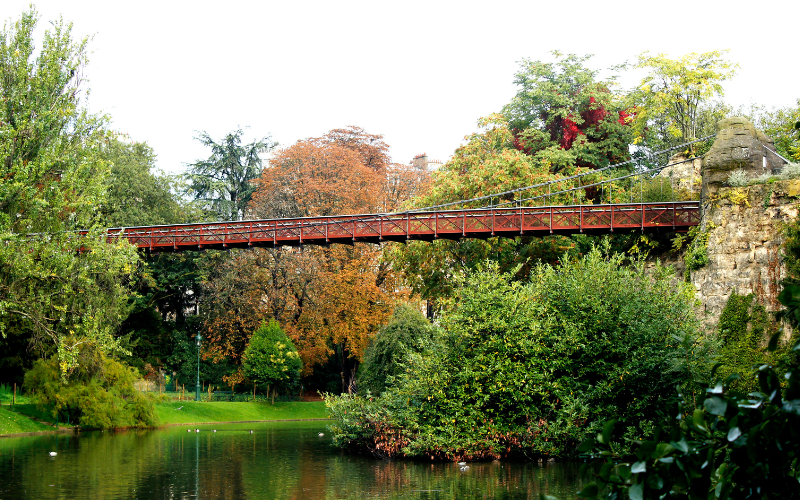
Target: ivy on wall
{"points": [[696, 255], [744, 328]]}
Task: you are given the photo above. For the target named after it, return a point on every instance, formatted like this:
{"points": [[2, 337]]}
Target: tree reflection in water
{"points": [[281, 460]]}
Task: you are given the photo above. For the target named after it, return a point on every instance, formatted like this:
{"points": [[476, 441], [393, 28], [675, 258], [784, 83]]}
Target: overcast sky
{"points": [[419, 72]]}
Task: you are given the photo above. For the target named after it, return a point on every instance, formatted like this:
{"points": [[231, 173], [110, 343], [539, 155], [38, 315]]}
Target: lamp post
{"points": [[197, 387]]}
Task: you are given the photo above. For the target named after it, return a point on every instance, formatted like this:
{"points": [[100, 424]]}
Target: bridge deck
{"points": [[450, 224]]}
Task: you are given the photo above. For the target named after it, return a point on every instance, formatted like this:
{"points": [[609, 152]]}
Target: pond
{"points": [[277, 460]]}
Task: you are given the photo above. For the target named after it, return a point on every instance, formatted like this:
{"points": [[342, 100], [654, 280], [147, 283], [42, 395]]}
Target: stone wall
{"points": [[684, 174], [744, 246]]}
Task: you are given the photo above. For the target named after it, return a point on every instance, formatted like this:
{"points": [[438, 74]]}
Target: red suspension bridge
{"points": [[424, 225], [445, 222]]}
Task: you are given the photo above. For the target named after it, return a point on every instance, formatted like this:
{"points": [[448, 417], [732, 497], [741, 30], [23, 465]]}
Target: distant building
{"points": [[422, 162]]}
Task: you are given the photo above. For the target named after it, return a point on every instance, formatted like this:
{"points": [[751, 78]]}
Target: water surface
{"points": [[278, 460]]}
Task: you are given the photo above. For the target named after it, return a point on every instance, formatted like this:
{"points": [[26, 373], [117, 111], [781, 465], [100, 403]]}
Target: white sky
{"points": [[419, 72]]}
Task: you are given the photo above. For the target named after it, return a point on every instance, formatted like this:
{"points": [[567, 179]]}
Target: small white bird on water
{"points": [[179, 408], [197, 430], [52, 453], [321, 434]]}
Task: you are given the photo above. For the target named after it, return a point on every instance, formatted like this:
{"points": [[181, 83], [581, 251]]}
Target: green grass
{"points": [[7, 395], [12, 421], [196, 412], [20, 418]]}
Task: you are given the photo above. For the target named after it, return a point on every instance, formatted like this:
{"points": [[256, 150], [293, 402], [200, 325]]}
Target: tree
{"points": [[271, 358], [223, 183], [62, 289], [564, 117], [316, 177], [487, 163], [138, 195], [675, 93], [780, 124], [374, 153], [562, 121], [407, 332]]}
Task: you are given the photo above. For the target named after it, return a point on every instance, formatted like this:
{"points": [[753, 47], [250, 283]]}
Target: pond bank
{"points": [[14, 423]]}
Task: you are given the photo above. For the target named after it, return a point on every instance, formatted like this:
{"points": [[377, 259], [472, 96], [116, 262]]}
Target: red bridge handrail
{"points": [[441, 224]]}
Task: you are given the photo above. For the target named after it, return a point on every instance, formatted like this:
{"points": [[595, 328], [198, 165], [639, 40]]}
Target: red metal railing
{"points": [[449, 224]]}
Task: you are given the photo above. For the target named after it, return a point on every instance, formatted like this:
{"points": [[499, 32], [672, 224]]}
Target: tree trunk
{"points": [[348, 367]]}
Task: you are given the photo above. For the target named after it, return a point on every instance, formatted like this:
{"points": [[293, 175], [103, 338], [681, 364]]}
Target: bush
{"points": [[100, 394], [744, 328], [408, 331], [530, 369], [696, 255], [738, 178], [731, 446], [790, 171]]}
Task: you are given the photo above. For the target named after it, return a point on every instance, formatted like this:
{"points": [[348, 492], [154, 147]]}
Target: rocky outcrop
{"points": [[738, 146]]}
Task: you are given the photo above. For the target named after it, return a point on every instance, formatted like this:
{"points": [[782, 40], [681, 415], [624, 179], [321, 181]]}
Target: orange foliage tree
{"points": [[330, 301]]}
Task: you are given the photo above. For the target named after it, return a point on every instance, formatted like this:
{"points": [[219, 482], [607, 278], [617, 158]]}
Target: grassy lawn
{"points": [[13, 422], [188, 412], [19, 418]]}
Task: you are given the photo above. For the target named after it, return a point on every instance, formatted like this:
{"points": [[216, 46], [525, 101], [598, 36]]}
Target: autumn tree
{"points": [[223, 183], [53, 182], [371, 149], [330, 301]]}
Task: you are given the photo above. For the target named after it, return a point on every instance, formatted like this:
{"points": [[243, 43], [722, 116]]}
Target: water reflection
{"points": [[284, 460]]}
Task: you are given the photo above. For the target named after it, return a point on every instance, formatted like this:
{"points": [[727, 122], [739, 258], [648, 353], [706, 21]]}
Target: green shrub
{"points": [[100, 394], [530, 369], [408, 331], [735, 445]]}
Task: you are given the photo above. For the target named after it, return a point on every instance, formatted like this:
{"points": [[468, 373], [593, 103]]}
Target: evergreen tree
{"points": [[223, 183]]}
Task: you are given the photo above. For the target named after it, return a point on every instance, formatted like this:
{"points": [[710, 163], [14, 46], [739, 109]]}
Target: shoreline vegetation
{"points": [[25, 420]]}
